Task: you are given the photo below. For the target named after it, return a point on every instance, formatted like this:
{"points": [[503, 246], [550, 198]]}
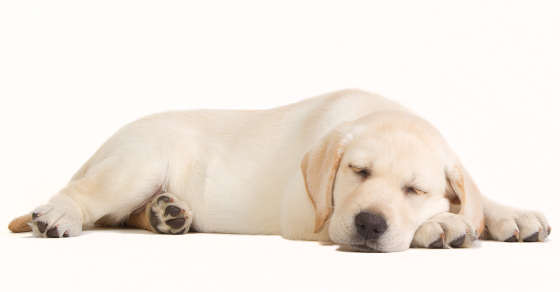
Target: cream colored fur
{"points": [[290, 171]]}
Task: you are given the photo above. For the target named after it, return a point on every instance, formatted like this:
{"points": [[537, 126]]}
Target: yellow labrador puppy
{"points": [[347, 167]]}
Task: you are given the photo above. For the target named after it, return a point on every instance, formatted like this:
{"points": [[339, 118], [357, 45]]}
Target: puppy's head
{"points": [[373, 181]]}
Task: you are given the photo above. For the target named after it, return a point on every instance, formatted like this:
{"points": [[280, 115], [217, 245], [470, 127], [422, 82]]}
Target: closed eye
{"points": [[412, 190], [363, 172]]}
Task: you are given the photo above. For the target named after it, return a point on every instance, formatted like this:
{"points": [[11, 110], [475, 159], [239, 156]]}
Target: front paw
{"points": [[444, 230], [512, 225]]}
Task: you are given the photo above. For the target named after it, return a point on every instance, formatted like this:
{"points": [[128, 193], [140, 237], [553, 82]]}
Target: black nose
{"points": [[370, 225]]}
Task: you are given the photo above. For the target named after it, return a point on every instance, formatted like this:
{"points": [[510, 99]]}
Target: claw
{"points": [[458, 242], [438, 243], [513, 238]]}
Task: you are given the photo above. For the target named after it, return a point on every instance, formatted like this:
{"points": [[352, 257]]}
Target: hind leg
{"points": [[110, 189], [165, 213]]}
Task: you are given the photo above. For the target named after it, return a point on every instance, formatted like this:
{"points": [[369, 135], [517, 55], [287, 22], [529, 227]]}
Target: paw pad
{"points": [[444, 230], [513, 238], [56, 220], [532, 238], [458, 242], [53, 232], [169, 215], [438, 243], [518, 226], [42, 226]]}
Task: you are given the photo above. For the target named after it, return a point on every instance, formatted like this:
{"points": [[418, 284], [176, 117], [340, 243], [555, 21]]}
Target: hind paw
{"points": [[56, 219], [169, 215]]}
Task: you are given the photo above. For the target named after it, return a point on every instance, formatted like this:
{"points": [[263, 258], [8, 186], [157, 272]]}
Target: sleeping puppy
{"points": [[347, 167]]}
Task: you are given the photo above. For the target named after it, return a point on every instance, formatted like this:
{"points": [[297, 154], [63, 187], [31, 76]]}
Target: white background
{"points": [[486, 73]]}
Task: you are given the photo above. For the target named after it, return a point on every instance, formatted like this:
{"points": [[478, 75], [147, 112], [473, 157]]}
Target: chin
{"points": [[381, 246], [370, 249]]}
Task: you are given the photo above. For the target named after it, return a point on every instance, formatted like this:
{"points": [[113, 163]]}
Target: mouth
{"points": [[358, 248], [363, 248]]}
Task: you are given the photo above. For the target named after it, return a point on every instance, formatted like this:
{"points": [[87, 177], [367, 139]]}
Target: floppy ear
{"points": [[319, 167], [464, 196]]}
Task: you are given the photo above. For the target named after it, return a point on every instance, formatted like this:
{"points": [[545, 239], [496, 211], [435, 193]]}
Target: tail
{"points": [[20, 224]]}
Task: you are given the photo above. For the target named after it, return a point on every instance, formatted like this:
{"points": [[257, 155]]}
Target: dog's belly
{"points": [[226, 199], [224, 215]]}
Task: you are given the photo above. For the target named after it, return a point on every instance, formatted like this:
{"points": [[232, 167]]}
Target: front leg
{"points": [[509, 224], [490, 220]]}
